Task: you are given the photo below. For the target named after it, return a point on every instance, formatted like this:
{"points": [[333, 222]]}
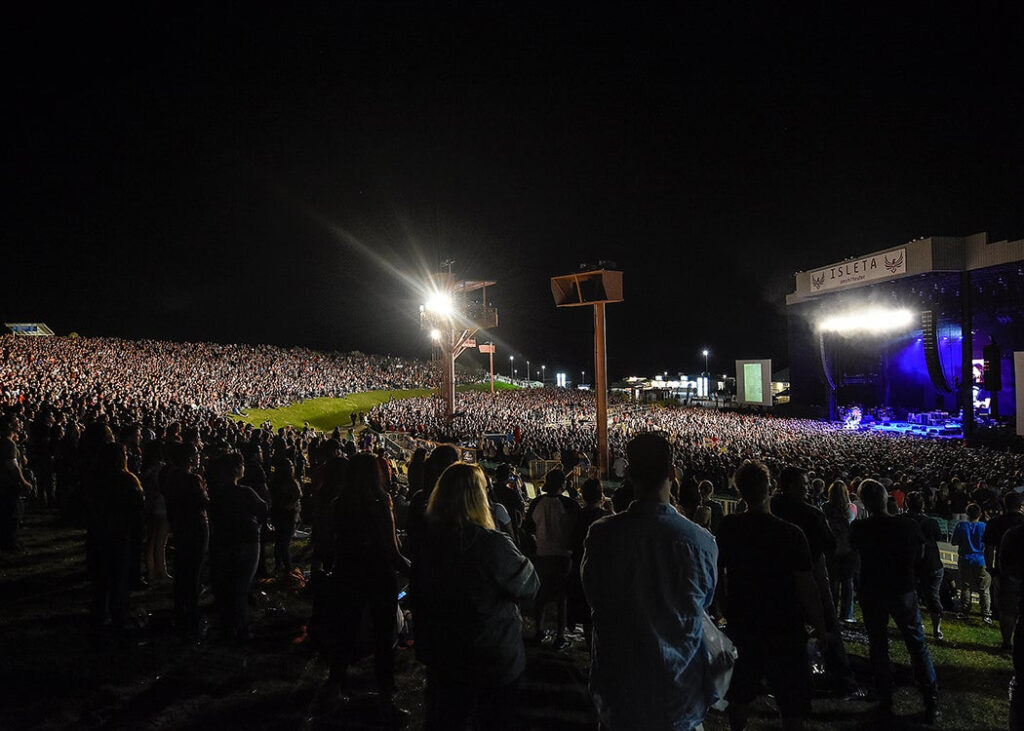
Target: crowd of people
{"points": [[155, 374], [133, 440], [709, 444]]}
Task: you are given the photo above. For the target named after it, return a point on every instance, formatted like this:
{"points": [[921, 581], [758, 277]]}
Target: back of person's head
{"points": [[706, 489], [225, 468], [915, 502], [650, 460], [152, 453], [592, 491], [335, 475], [112, 459], [973, 511], [793, 481], [365, 482], [1012, 502], [284, 468], [874, 496], [689, 499], [181, 455], [623, 496], [460, 497], [838, 494], [752, 480], [554, 482], [443, 456]]}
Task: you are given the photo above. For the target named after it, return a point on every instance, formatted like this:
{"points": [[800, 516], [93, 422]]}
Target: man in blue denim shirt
{"points": [[648, 574]]}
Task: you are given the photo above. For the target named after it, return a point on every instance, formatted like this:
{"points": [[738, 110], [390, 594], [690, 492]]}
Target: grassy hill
{"points": [[326, 413]]}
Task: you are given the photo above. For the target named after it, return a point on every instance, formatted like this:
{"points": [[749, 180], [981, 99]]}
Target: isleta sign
{"points": [[857, 271]]}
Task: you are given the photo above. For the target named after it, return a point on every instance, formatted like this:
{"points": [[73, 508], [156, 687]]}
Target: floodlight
{"points": [[877, 320], [441, 304], [435, 334]]}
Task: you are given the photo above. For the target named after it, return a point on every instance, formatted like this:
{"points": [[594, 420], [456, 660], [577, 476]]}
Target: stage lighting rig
{"points": [[452, 322], [868, 321]]}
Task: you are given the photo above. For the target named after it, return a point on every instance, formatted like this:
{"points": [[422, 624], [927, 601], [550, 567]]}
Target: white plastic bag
{"points": [[721, 656]]}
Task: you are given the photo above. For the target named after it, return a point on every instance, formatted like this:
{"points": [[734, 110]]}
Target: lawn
{"points": [[326, 413]]}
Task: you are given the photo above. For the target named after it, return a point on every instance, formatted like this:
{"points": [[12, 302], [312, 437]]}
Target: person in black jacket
{"points": [[791, 505], [115, 503], [929, 571], [891, 548], [236, 514], [366, 558], [416, 524], [284, 503], [187, 500], [465, 587]]}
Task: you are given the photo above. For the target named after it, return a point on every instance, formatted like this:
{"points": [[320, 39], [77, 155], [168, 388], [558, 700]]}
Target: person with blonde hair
{"points": [[842, 565], [465, 586]]}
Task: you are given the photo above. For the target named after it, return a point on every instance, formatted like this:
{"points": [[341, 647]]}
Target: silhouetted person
{"points": [[114, 530], [187, 500], [890, 549]]}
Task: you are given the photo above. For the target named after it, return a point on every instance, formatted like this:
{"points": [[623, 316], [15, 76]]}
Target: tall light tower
{"points": [[452, 321], [488, 348], [705, 353], [596, 288]]}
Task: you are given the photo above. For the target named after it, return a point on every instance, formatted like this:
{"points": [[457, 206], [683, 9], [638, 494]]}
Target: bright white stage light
{"points": [[440, 303], [876, 320], [435, 334]]}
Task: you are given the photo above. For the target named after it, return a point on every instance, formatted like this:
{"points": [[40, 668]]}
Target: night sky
{"points": [[223, 176]]}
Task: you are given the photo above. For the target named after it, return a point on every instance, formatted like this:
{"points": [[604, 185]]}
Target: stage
{"points": [[951, 429]]}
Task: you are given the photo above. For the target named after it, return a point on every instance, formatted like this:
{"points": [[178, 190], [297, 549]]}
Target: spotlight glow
{"points": [[875, 320], [435, 334], [441, 304]]}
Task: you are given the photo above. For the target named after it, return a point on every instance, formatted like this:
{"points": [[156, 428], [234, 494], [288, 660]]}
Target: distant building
{"points": [[29, 329]]}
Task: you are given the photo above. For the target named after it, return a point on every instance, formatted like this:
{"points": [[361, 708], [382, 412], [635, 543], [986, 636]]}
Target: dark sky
{"points": [[226, 176]]}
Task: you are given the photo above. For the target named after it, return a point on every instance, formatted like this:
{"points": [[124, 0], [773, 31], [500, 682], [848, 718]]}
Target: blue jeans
{"points": [[906, 615], [841, 571], [929, 588]]}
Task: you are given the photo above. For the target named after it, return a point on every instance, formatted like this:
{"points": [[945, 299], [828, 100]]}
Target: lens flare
{"points": [[440, 303]]}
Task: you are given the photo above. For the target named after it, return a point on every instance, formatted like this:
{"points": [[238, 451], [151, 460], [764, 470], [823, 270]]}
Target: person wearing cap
{"points": [[649, 574]]}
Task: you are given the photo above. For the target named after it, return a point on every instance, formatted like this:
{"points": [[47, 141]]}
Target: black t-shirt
{"points": [[931, 561], [996, 528], [759, 555], [236, 514], [1011, 558], [808, 519], [890, 549], [622, 497]]}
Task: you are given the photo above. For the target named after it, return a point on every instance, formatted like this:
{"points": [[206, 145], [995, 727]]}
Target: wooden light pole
{"points": [[596, 288], [456, 322]]}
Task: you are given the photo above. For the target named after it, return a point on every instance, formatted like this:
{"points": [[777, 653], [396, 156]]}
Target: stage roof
{"points": [[921, 256]]}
